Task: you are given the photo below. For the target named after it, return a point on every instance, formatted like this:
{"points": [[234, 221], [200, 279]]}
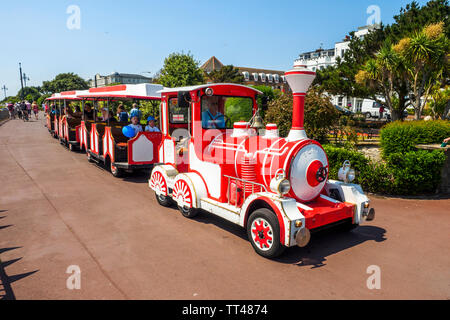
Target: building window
{"points": [[263, 77], [246, 76]]}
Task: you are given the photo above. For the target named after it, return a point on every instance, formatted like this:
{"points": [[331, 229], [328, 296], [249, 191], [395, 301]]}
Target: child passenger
{"points": [[135, 124], [151, 127]]}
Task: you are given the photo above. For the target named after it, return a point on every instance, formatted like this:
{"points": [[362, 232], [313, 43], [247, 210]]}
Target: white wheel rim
{"points": [[262, 234]]}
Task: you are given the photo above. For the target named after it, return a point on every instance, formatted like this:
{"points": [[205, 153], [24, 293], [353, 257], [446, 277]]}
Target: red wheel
{"points": [[263, 231]]}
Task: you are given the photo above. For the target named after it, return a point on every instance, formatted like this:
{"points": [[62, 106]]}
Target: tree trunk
{"points": [[397, 115], [418, 114]]}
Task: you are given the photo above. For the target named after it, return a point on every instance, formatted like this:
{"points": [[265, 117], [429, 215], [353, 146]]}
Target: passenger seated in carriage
{"points": [[122, 114], [135, 123], [151, 127], [88, 112], [211, 117], [68, 111], [108, 116]]}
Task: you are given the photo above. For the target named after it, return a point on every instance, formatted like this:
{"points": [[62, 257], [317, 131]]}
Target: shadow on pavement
{"points": [[329, 242], [6, 291], [141, 176], [206, 218], [322, 245]]}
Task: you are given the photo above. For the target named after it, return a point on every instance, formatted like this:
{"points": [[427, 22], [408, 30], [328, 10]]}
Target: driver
{"points": [[212, 118]]}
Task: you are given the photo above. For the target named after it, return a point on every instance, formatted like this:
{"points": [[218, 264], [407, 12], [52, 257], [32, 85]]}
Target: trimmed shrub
{"points": [[416, 172], [411, 173], [402, 137], [373, 177]]}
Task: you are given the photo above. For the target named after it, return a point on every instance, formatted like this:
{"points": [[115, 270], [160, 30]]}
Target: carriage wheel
{"points": [[263, 230], [163, 200], [188, 212], [182, 194], [158, 182], [89, 157], [116, 172]]}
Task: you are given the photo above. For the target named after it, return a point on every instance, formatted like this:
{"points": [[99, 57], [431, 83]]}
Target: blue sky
{"points": [[135, 36]]}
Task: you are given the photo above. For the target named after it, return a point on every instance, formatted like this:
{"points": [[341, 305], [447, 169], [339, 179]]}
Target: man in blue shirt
{"points": [[212, 118]]}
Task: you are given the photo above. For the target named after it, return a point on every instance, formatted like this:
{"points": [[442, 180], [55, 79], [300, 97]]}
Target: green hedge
{"points": [[416, 172], [373, 177], [402, 137], [411, 173]]}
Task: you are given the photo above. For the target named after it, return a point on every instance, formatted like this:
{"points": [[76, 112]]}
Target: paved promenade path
{"points": [[58, 210]]}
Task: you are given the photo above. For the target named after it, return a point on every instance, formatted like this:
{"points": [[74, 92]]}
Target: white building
{"points": [[116, 78], [322, 58]]}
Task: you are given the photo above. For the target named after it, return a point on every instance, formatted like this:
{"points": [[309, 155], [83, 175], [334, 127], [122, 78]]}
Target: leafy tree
{"points": [[180, 70], [269, 94], [440, 102], [226, 74], [150, 108], [320, 115], [341, 79], [425, 56], [64, 82], [29, 93], [42, 98]]}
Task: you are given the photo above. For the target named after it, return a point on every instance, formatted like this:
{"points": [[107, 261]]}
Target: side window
{"points": [[220, 112], [177, 115]]}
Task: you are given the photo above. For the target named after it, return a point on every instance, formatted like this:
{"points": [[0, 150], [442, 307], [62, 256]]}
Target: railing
{"points": [[244, 183]]}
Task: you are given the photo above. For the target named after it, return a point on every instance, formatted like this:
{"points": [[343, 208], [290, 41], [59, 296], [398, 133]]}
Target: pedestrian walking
{"points": [[28, 108], [11, 110], [35, 108], [381, 111], [18, 108], [24, 107]]}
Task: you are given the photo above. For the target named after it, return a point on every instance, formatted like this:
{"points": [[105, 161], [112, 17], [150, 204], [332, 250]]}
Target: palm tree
{"points": [[383, 72], [425, 58]]}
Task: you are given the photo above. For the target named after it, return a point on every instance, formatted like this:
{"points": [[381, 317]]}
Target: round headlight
{"points": [[351, 175], [284, 187]]}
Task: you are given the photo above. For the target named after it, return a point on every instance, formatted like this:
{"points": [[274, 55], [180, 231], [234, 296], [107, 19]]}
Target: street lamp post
{"points": [[25, 79], [21, 81], [4, 88]]}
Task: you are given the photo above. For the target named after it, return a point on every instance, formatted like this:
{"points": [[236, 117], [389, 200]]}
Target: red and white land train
{"points": [[105, 142], [63, 128], [52, 119], [277, 188]]}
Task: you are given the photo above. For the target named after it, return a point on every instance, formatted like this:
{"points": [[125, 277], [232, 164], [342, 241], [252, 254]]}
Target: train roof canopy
{"points": [[202, 86], [145, 91], [68, 95]]}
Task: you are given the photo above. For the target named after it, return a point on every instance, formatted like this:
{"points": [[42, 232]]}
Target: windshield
{"points": [[220, 112]]}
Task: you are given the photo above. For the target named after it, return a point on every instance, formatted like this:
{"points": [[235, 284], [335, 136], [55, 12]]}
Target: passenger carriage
{"points": [[105, 143], [214, 156], [52, 119], [63, 126]]}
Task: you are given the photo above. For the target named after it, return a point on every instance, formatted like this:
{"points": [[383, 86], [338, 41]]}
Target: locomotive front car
{"points": [[105, 142], [225, 163]]}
